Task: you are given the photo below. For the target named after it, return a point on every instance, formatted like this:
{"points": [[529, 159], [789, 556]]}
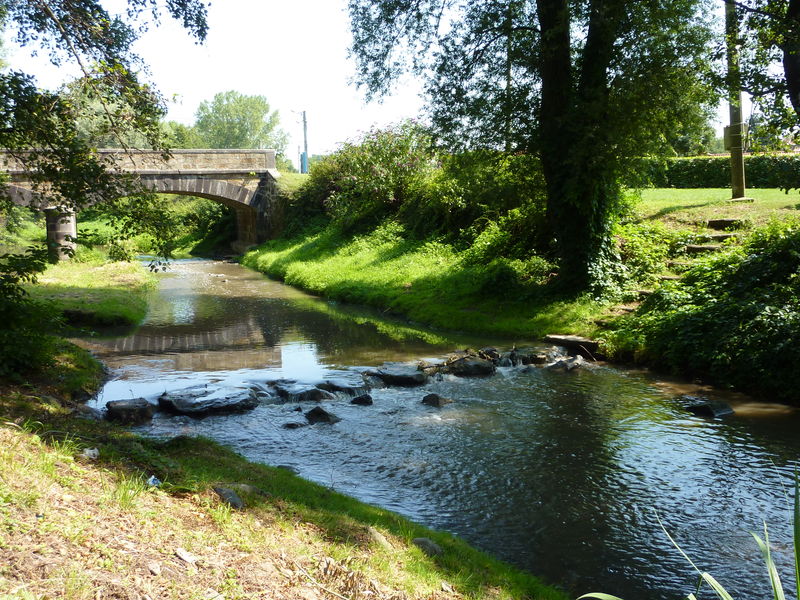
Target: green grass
{"points": [[96, 293], [426, 281], [288, 183], [681, 208]]}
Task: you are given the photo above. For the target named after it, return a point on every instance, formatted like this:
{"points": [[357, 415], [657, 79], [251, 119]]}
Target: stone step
{"points": [[720, 237], [724, 224], [701, 248], [743, 199], [574, 344], [670, 277], [679, 264]]}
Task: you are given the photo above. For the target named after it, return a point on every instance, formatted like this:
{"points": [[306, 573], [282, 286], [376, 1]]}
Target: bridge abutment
{"points": [[246, 229], [62, 229]]}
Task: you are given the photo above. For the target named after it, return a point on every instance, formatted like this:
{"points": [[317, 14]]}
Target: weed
{"points": [[125, 491]]}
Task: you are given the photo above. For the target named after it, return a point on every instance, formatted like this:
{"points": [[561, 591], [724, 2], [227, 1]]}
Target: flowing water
{"points": [[560, 473]]}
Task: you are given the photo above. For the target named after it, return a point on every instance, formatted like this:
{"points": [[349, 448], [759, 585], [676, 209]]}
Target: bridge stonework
{"points": [[244, 180]]}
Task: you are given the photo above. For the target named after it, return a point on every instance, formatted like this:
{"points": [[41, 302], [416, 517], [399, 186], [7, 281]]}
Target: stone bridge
{"points": [[244, 180]]}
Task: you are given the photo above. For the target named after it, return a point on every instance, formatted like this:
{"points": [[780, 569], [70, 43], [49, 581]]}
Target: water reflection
{"points": [[561, 473]]}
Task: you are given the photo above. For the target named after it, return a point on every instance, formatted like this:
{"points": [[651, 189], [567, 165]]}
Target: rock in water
{"points": [[399, 375], [567, 364], [302, 393], [436, 400], [703, 407], [130, 412], [200, 401], [363, 400], [470, 367], [320, 415], [575, 344]]}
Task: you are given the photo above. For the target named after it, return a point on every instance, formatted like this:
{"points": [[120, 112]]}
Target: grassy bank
{"points": [[78, 527], [429, 282], [96, 293], [715, 317]]}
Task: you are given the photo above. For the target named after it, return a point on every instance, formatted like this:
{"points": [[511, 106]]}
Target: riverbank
{"points": [[81, 523], [95, 293], [680, 304]]}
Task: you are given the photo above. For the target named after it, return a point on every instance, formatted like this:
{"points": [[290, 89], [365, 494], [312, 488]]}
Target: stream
{"points": [[565, 474]]}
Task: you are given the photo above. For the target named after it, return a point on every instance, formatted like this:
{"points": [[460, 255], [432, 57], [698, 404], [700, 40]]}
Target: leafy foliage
{"points": [[398, 173], [46, 132], [762, 171], [734, 318], [584, 85], [370, 179], [235, 120]]}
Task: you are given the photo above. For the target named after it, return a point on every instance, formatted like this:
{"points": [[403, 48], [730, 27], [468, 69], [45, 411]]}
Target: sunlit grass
{"points": [[682, 208], [101, 293], [425, 281]]}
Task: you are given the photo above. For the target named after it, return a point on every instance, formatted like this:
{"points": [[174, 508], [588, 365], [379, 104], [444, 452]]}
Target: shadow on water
{"points": [[560, 473]]}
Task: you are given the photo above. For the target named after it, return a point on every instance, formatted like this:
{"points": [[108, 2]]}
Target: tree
{"points": [[41, 129], [770, 69], [179, 135], [234, 120], [585, 84]]}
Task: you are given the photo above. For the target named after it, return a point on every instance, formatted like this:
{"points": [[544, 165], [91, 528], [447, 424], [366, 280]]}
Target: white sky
{"points": [[293, 53]]}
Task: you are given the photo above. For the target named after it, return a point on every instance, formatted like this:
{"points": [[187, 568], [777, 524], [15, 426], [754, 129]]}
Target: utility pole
{"points": [[733, 137], [304, 156]]}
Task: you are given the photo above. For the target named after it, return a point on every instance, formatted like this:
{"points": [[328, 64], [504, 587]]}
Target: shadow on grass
{"points": [[677, 208]]}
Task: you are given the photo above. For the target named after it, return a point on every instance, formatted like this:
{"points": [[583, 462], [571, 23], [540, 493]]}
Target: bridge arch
{"points": [[245, 180]]}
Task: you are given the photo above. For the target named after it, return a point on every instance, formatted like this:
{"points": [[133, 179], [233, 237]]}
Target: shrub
{"points": [[25, 335], [363, 182], [643, 249], [396, 173], [734, 318]]}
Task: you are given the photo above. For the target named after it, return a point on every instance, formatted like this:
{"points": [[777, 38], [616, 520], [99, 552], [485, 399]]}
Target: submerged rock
{"points": [[200, 402], [703, 407], [343, 386], [399, 375], [302, 393], [436, 400], [129, 412], [320, 415], [567, 364]]}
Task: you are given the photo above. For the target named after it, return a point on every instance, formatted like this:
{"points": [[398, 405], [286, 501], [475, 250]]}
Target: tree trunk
{"points": [[577, 158], [791, 54]]}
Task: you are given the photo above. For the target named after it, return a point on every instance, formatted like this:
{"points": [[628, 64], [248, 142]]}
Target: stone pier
{"points": [[62, 229]]}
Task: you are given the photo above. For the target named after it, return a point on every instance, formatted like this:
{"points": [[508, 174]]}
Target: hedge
{"points": [[761, 171]]}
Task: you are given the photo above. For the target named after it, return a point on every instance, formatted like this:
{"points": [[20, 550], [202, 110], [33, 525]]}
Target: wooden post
{"points": [[734, 130]]}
